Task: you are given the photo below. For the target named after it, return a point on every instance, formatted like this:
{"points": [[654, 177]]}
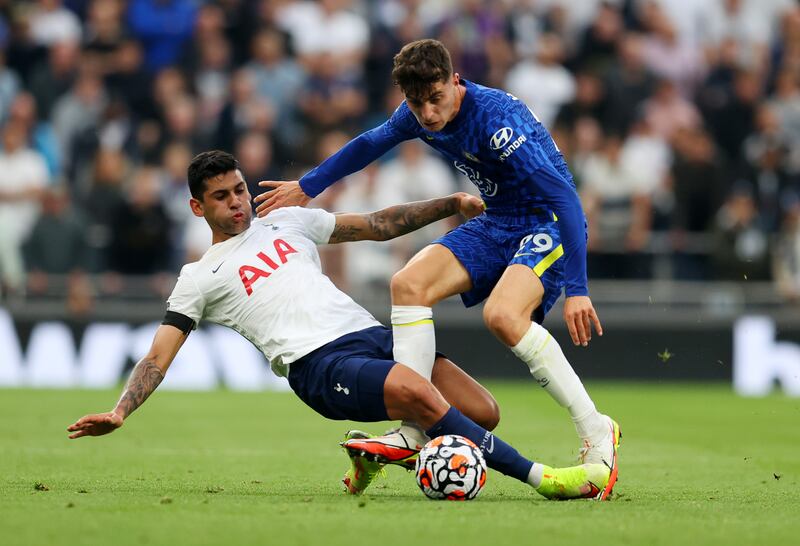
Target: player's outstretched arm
{"points": [[144, 379], [398, 220]]}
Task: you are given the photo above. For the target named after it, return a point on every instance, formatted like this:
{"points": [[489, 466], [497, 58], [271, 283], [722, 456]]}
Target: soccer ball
{"points": [[451, 467]]}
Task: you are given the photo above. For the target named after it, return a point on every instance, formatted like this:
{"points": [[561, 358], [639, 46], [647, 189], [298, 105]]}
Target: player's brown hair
{"points": [[420, 65]]}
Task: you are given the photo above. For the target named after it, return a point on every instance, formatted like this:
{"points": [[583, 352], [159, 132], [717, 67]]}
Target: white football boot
{"points": [[603, 450]]}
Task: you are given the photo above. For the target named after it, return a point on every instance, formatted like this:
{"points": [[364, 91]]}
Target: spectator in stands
{"points": [[590, 101], [785, 102], [41, 136], [542, 82], [211, 82], [599, 41], [744, 21], [467, 31], [53, 78], [697, 180], [667, 112], [786, 255], [10, 85], [733, 120], [617, 203], [77, 111], [163, 26], [245, 111], [326, 28], [254, 152], [57, 243], [101, 203], [51, 22], [140, 228], [669, 57], [764, 167], [331, 98], [181, 124], [278, 78], [629, 83], [105, 33], [24, 177], [649, 157], [209, 25], [23, 54], [741, 246]]}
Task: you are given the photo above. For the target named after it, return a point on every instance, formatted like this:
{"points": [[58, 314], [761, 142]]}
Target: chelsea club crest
{"points": [[470, 156]]}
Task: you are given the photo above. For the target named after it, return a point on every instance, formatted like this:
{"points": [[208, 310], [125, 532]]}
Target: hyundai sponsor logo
{"points": [[511, 148], [501, 138]]}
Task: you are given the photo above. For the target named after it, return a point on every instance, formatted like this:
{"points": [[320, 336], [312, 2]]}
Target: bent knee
{"points": [[491, 418], [423, 399], [503, 323], [408, 288]]}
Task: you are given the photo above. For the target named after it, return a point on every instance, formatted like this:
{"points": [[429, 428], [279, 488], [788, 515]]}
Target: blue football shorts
{"points": [[487, 245]]}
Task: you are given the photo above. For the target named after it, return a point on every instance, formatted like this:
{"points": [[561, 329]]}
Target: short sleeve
{"points": [[317, 224], [186, 298]]}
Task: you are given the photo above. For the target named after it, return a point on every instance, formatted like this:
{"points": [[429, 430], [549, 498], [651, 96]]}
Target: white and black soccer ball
{"points": [[451, 467]]}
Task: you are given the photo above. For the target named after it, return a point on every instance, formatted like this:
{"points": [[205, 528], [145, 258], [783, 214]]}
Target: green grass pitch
{"points": [[698, 466]]}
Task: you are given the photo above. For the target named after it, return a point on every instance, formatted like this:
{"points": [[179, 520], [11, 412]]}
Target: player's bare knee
{"points": [[501, 323], [408, 289], [490, 417]]}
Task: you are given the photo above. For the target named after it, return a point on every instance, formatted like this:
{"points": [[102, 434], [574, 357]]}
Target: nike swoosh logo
{"points": [[490, 449], [518, 254], [217, 268]]}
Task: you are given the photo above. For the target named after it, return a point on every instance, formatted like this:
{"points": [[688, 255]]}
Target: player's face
{"points": [[439, 106], [225, 205]]}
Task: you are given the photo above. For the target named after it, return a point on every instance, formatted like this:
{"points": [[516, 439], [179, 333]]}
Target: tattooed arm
{"points": [[395, 221], [144, 379]]}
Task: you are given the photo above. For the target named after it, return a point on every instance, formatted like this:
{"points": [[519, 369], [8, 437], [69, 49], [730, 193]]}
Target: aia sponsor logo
{"points": [[250, 273]]}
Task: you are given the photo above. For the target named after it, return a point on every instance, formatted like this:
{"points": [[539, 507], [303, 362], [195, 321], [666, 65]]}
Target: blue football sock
{"points": [[499, 455]]}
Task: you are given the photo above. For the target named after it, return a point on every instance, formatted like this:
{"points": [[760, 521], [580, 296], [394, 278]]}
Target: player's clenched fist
{"points": [[470, 206]]}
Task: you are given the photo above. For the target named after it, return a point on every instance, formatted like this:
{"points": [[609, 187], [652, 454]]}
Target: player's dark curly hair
{"points": [[207, 165], [420, 65]]}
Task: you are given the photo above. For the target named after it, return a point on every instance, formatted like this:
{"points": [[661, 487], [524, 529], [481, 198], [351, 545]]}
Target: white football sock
{"points": [[415, 347], [548, 365], [535, 475], [414, 338]]}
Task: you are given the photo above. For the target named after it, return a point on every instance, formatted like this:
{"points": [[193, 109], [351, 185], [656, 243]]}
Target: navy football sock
{"points": [[499, 455]]}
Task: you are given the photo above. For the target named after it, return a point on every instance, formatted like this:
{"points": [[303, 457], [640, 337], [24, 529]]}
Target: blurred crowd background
{"points": [[680, 120]]}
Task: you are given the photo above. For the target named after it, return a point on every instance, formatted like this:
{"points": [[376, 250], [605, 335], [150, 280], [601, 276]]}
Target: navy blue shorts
{"points": [[487, 245], [344, 379]]}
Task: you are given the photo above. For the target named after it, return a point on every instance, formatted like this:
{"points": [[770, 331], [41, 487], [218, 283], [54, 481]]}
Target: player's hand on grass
{"points": [[283, 194], [96, 424], [470, 206], [579, 315]]}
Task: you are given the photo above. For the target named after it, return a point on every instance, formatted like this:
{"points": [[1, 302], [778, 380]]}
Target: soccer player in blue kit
{"points": [[528, 246]]}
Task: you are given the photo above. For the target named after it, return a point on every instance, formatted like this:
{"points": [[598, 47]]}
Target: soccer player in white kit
{"points": [[263, 279]]}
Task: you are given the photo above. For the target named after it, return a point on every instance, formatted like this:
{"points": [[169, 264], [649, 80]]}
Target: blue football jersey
{"points": [[499, 144]]}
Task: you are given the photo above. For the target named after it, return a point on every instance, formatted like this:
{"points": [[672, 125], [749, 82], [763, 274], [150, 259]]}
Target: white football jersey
{"points": [[267, 284]]}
